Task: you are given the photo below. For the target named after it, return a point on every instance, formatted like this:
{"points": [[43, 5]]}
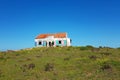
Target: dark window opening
{"points": [[52, 43], [40, 43], [60, 42], [46, 43]]}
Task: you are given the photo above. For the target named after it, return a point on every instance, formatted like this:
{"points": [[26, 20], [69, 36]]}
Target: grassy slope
{"points": [[61, 63]]}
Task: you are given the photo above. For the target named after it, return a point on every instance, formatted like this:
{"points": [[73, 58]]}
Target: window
{"points": [[65, 42], [44, 43], [40, 43], [52, 43], [60, 42]]}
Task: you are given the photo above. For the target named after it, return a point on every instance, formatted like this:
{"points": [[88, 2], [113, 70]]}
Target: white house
{"points": [[49, 40]]}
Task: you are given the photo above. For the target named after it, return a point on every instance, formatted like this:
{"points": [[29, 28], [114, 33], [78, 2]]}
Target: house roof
{"points": [[56, 35]]}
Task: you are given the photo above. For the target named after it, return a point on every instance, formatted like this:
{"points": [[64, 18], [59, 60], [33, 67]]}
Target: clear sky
{"points": [[87, 22]]}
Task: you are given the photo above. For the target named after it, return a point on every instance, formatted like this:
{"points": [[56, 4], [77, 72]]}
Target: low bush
{"points": [[49, 67], [106, 53], [2, 58], [83, 48], [67, 58], [31, 66], [93, 57], [88, 47], [28, 59], [118, 48], [26, 67], [105, 67]]}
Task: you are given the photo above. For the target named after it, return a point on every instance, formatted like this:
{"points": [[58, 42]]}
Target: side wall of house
{"points": [[54, 41]]}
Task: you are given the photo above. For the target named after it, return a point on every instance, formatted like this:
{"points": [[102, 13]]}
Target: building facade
{"points": [[52, 40]]}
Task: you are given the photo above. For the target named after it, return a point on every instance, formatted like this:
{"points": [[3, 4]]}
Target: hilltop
{"points": [[61, 63]]}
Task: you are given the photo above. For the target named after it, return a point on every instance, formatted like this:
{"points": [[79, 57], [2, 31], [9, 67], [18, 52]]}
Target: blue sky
{"points": [[87, 22]]}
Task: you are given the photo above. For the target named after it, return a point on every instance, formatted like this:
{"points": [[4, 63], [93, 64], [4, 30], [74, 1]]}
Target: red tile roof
{"points": [[56, 35]]}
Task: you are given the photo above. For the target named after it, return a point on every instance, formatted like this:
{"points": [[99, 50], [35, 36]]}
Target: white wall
{"points": [[49, 39]]}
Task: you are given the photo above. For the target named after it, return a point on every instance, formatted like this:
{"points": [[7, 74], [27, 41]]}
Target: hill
{"points": [[61, 63]]}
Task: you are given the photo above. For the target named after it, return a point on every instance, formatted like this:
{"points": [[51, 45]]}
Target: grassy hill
{"points": [[61, 63]]}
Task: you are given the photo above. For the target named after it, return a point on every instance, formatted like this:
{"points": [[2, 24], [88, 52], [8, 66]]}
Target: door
{"points": [[44, 43]]}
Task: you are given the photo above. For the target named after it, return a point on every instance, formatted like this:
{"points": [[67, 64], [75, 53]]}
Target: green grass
{"points": [[61, 63]]}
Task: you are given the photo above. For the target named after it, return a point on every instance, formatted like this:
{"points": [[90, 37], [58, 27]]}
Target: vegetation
{"points": [[61, 63]]}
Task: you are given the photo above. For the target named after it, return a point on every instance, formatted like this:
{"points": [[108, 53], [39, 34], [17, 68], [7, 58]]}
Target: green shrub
{"points": [[115, 63], [2, 58], [17, 54], [26, 67], [49, 67], [93, 57], [100, 47], [83, 48], [106, 53], [118, 48], [89, 47], [67, 58], [105, 66]]}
